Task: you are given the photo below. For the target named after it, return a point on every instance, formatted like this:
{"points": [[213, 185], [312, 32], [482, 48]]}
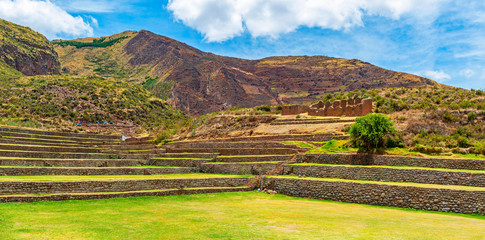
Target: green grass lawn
{"points": [[246, 215]]}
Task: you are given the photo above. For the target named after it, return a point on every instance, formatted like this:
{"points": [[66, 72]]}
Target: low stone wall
{"points": [[369, 159], [29, 171], [188, 155], [63, 197], [50, 148], [210, 144], [274, 158], [236, 151], [64, 134], [311, 121], [181, 162], [389, 174], [238, 168], [70, 163], [444, 200], [7, 188], [58, 138], [32, 154], [284, 137]]}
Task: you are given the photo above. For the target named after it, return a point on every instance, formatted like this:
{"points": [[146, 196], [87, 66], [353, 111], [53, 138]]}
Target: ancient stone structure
{"points": [[350, 108], [444, 200]]}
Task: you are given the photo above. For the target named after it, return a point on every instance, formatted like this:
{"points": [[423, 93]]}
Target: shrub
{"points": [[264, 108], [472, 116], [372, 131]]}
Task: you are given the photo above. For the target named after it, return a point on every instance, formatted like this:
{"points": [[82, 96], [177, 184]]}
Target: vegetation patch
{"points": [[101, 43]]}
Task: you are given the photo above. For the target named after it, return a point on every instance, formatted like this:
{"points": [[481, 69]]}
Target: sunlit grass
{"points": [[247, 215]]}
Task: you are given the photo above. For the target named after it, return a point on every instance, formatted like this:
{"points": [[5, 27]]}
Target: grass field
{"points": [[247, 215]]}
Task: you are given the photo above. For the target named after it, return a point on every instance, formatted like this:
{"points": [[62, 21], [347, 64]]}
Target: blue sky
{"points": [[440, 39]]}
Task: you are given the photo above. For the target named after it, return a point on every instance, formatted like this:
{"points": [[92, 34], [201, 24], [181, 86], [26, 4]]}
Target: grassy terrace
{"points": [[407, 184], [66, 138], [234, 156], [242, 162], [393, 167], [67, 159], [114, 177], [339, 147], [145, 166], [241, 215], [96, 193]]}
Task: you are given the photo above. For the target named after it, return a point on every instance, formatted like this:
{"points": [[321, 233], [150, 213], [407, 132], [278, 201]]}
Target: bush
{"points": [[472, 116], [372, 131]]}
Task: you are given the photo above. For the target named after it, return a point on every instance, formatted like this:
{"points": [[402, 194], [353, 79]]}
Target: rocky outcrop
{"points": [[27, 51]]}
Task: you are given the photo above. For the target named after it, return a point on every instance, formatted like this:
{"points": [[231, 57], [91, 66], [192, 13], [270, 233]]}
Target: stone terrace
{"points": [[39, 166]]}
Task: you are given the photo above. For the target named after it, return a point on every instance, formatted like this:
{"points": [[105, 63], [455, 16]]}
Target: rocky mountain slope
{"points": [[52, 101], [198, 82], [26, 51]]}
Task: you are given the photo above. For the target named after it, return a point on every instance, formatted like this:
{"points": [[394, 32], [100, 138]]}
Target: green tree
{"points": [[372, 131]]}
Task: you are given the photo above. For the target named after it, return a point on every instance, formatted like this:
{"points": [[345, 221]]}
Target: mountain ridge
{"points": [[199, 82]]}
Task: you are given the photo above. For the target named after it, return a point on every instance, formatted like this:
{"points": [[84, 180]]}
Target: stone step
{"points": [[199, 144], [181, 162], [62, 134], [235, 151], [62, 155], [253, 168], [106, 195], [85, 184], [30, 171], [387, 160], [389, 174], [40, 148], [49, 162], [445, 198], [254, 158]]}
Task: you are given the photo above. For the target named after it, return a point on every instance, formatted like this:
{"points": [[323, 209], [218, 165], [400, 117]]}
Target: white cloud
{"points": [[96, 6], [468, 73], [438, 76], [44, 17], [219, 20]]}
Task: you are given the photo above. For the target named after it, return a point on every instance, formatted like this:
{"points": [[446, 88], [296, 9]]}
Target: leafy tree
{"points": [[372, 131]]}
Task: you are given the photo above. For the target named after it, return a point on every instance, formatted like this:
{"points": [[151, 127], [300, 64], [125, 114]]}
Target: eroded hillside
{"points": [[26, 51], [198, 82]]}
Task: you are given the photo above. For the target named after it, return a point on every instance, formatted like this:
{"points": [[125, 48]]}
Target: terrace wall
{"points": [[444, 200], [370, 159], [389, 174]]}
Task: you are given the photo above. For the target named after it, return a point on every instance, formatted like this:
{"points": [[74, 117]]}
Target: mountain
{"points": [[26, 51], [199, 82], [50, 100]]}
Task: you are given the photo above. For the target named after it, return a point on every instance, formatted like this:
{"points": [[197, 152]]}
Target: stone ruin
{"points": [[350, 108]]}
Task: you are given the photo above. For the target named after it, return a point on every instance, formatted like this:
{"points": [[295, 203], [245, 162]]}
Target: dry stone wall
{"points": [[389, 174], [370, 159], [238, 168], [63, 197], [351, 107], [444, 200], [115, 186]]}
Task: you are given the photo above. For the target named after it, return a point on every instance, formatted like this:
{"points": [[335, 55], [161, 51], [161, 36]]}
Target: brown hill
{"points": [[198, 82], [26, 51]]}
